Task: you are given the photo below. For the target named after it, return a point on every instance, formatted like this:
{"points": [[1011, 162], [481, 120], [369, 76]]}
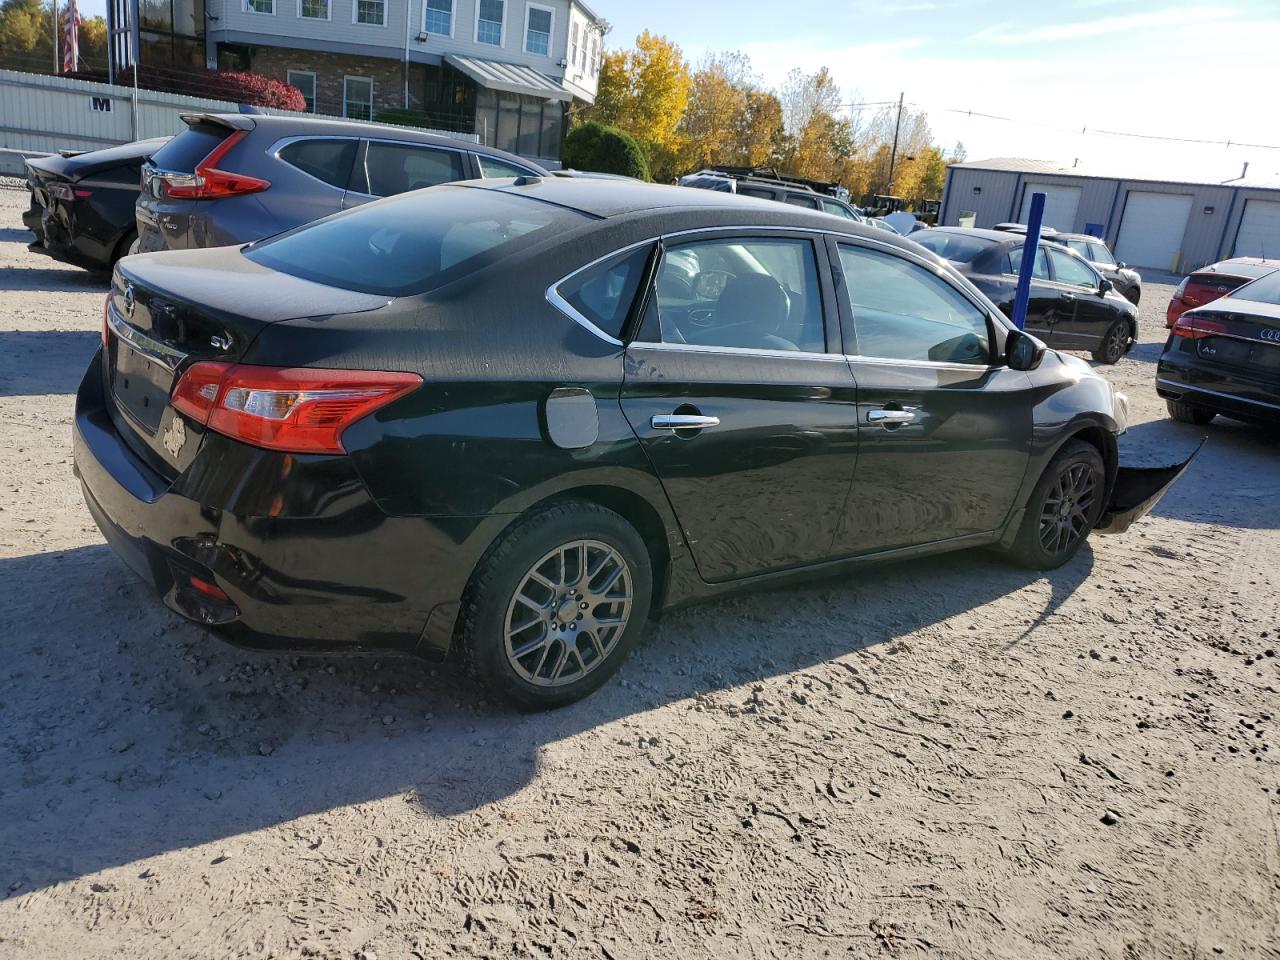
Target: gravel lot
{"points": [[942, 758]]}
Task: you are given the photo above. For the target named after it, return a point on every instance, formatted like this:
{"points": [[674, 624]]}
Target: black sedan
{"points": [[513, 419], [82, 206], [1224, 357], [1072, 306]]}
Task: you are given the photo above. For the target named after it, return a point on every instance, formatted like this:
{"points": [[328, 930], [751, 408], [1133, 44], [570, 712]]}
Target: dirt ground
{"points": [[947, 758]]}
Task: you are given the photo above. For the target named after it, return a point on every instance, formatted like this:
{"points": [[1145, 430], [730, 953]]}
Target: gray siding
{"points": [[1209, 236]]}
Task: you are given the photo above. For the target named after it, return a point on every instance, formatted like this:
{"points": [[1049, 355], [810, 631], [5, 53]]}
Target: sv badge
{"points": [[174, 437]]}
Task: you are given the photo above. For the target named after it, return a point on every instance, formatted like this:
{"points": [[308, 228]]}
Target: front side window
{"points": [[489, 21], [1040, 270], [357, 98], [493, 168], [751, 292], [260, 6], [1098, 253], [537, 34], [1067, 269], [437, 17], [372, 12], [306, 83], [391, 168], [604, 293], [313, 9], [902, 311]]}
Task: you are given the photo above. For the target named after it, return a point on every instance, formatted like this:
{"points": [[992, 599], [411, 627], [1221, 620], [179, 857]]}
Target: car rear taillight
{"points": [[1182, 288], [106, 313], [208, 182], [278, 408], [1197, 328]]}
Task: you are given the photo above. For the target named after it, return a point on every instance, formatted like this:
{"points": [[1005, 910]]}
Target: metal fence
{"points": [[44, 114]]}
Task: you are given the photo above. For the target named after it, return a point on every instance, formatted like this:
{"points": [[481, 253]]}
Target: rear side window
{"points": [[1041, 269], [327, 160], [409, 245], [754, 192], [604, 293], [391, 168], [796, 200], [838, 209], [492, 167], [183, 152]]}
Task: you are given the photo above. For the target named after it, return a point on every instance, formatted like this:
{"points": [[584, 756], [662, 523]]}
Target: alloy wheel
{"points": [[1114, 348], [1065, 517], [568, 613]]}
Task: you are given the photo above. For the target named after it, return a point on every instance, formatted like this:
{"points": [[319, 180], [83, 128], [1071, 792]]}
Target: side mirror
{"points": [[1022, 351], [1106, 286], [1122, 265]]}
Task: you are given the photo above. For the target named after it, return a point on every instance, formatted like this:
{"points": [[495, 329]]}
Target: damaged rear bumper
{"points": [[1137, 490]]}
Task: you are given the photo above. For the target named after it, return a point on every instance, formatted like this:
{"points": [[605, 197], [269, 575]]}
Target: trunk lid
{"points": [[1204, 288], [166, 311], [1242, 335]]}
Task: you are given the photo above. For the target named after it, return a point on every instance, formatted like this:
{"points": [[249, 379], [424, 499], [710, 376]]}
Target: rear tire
{"points": [[1064, 506], [1114, 343], [1184, 412], [126, 246], [1133, 295], [556, 604]]}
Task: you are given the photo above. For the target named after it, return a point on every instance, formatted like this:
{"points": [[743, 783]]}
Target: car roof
{"points": [[300, 126], [1225, 266], [607, 199]]}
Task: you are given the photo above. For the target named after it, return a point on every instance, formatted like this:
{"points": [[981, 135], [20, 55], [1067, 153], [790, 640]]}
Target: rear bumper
{"points": [[305, 556], [1183, 375]]}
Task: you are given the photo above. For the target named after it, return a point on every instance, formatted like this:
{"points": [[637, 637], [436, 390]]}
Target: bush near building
{"points": [[238, 87], [604, 149]]}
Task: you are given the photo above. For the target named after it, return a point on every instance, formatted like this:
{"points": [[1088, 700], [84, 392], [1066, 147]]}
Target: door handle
{"points": [[890, 418], [682, 421]]}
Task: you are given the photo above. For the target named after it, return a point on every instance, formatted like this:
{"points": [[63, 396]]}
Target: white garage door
{"points": [[1151, 229], [1059, 205], [1259, 233]]}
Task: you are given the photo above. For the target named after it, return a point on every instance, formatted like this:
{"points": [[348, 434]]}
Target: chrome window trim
{"points": [[154, 350], [560, 303], [736, 351], [1215, 393]]}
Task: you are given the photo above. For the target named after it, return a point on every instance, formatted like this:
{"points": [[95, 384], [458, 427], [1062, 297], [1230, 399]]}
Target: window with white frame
{"points": [[437, 17], [595, 55], [357, 98], [537, 29], [313, 9], [489, 15], [573, 43], [260, 6], [372, 12], [305, 81]]}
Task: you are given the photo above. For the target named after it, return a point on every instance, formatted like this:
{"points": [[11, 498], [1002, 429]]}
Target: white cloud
{"points": [[1100, 26]]}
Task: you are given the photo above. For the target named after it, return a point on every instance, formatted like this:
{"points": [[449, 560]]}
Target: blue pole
{"points": [[1030, 247]]}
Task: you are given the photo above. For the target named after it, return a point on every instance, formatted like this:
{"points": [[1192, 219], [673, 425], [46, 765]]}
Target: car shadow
{"points": [[41, 362], [15, 235], [130, 732], [52, 280]]}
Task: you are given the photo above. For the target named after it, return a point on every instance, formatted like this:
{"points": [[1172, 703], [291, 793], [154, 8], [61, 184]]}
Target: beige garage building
{"points": [[1169, 224]]}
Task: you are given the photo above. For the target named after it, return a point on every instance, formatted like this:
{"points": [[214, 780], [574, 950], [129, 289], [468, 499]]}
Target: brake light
{"points": [[278, 408], [1197, 328], [210, 183], [1182, 288], [82, 193]]}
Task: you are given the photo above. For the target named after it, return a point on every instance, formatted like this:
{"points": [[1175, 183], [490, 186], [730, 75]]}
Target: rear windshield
{"points": [[183, 152], [1264, 290], [1248, 269], [955, 247], [414, 242]]}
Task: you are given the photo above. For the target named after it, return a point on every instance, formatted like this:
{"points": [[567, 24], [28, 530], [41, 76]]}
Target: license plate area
{"points": [[140, 385], [1240, 353]]}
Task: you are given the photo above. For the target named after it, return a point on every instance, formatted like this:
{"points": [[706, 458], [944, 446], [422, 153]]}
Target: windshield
{"points": [[1265, 290], [414, 242], [955, 247]]}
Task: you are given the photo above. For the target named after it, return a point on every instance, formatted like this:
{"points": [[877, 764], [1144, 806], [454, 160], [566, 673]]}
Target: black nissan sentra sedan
{"points": [[513, 419], [1224, 358], [1072, 306]]}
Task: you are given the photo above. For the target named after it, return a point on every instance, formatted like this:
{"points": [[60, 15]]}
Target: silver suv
{"points": [[232, 178]]}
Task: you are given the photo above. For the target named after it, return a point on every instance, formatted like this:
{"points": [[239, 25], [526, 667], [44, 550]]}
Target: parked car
{"points": [[1224, 357], [779, 190], [512, 420], [81, 208], [233, 178], [1218, 279], [1124, 279], [1072, 306]]}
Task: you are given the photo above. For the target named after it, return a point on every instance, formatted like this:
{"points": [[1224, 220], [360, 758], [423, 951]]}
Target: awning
{"points": [[509, 77]]}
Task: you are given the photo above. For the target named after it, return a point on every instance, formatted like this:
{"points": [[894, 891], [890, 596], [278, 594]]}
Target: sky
{"points": [[1053, 67]]}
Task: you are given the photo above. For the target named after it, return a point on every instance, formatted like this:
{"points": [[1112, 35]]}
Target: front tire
{"points": [[1114, 343], [555, 606], [1184, 412], [1064, 506]]}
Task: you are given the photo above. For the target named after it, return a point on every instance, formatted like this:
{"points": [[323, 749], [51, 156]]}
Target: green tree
{"points": [[596, 146]]}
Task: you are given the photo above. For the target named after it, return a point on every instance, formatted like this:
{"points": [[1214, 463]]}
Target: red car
{"points": [[1216, 280]]}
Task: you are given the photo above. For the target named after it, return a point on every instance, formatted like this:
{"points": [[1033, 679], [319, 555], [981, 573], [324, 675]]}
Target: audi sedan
{"points": [[513, 420]]}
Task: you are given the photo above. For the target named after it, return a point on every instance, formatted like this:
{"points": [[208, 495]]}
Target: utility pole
{"points": [[57, 65], [893, 155]]}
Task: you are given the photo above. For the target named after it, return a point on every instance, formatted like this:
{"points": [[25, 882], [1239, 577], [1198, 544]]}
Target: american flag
{"points": [[70, 38]]}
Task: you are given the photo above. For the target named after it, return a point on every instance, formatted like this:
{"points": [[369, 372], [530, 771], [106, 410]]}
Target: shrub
{"points": [[250, 88], [403, 117], [604, 149]]}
